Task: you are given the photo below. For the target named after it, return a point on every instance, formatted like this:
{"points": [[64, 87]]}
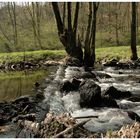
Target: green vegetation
{"points": [[118, 52], [31, 55], [24, 36], [113, 23], [104, 53]]}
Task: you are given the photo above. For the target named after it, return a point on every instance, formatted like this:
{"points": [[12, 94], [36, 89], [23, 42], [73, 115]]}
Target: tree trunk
{"points": [[109, 17], [12, 14], [38, 16], [64, 13], [133, 33], [87, 43], [67, 35], [32, 15], [116, 29], [15, 23], [89, 57], [95, 8], [137, 17]]}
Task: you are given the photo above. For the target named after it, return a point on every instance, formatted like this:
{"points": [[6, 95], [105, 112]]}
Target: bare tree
{"points": [[64, 13], [12, 15], [38, 18], [35, 15], [68, 35], [133, 33]]}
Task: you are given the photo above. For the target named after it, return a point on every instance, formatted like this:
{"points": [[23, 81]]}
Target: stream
{"points": [[14, 84], [60, 102], [109, 118]]}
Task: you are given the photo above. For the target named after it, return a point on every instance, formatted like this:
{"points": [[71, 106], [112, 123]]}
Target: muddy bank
{"points": [[29, 108], [123, 64], [23, 65], [68, 61], [21, 108]]}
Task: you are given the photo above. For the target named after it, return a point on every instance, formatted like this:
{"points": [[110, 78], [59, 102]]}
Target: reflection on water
{"points": [[15, 84]]}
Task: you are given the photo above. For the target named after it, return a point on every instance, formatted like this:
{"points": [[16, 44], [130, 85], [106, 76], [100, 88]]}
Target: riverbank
{"points": [[43, 58], [30, 60]]}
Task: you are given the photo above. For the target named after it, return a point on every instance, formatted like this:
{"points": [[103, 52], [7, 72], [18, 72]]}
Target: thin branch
{"points": [[71, 128]]}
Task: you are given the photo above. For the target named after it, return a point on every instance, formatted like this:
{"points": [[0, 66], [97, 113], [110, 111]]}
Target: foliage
{"points": [[107, 25]]}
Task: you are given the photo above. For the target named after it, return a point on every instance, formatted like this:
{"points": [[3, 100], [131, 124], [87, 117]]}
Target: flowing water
{"points": [[108, 118]]}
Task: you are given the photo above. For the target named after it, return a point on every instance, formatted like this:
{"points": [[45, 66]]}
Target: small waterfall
{"points": [[52, 93], [108, 118], [128, 105], [53, 96], [59, 74], [71, 101], [71, 72]]}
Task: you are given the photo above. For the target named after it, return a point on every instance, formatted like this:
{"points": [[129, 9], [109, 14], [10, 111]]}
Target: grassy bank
{"points": [[32, 55], [118, 52], [106, 53]]}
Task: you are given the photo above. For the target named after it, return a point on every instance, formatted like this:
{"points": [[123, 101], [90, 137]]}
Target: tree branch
{"points": [[75, 24], [64, 13], [71, 128], [69, 16], [59, 23]]}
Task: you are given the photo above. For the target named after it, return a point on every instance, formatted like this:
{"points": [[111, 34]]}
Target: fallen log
{"points": [[70, 128]]}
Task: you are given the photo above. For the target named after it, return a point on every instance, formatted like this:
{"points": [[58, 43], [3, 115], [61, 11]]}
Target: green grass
{"points": [[31, 55], [117, 52], [104, 53]]}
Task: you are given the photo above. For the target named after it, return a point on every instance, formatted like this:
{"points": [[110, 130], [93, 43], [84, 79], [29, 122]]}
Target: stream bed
{"points": [[60, 102], [108, 118]]}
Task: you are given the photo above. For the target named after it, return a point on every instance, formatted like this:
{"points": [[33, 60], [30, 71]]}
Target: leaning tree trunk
{"points": [[68, 36], [133, 33]]}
